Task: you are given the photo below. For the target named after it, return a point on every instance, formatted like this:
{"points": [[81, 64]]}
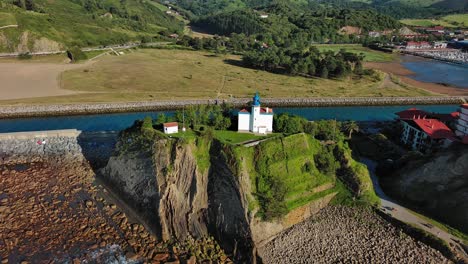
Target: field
{"points": [[7, 19], [370, 55], [156, 74], [460, 20]]}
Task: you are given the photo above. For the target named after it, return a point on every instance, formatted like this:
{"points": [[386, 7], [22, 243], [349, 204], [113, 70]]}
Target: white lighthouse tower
{"points": [[259, 120]]}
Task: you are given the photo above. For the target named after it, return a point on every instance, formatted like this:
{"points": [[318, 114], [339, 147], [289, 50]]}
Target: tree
{"points": [[351, 127], [161, 118], [29, 4]]}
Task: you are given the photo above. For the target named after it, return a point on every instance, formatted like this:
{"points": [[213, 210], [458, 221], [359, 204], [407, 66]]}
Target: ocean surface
{"points": [[434, 71], [116, 122]]}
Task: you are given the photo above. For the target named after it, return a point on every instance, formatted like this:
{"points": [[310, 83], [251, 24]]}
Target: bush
{"points": [[75, 54], [25, 56], [147, 123]]}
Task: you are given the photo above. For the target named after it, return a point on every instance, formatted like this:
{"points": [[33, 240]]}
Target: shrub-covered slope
{"points": [[79, 22]]}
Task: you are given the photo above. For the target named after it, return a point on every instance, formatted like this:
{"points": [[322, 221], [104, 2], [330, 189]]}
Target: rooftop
{"points": [[171, 124], [434, 128]]}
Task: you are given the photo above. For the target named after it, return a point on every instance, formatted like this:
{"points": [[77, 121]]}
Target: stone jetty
{"points": [[101, 108], [347, 235]]}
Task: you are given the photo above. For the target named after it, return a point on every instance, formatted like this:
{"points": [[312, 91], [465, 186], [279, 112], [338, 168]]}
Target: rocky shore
{"points": [[347, 235], [52, 210], [100, 108]]}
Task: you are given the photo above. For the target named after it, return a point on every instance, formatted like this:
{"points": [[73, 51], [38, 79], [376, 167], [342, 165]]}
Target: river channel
{"points": [[116, 122]]}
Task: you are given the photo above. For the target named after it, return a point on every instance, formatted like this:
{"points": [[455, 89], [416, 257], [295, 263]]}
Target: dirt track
{"points": [[25, 80]]}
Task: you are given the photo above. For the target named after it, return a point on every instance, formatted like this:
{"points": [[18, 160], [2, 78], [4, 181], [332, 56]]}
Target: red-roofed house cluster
{"points": [[423, 130]]}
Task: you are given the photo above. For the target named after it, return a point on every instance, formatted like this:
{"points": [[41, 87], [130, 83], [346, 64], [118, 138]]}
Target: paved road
{"points": [[403, 214]]}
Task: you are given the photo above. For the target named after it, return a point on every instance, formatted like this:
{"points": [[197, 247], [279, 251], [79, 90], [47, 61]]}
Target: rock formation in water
{"points": [[438, 185]]}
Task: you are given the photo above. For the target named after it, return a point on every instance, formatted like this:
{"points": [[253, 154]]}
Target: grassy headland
{"points": [[370, 55]]}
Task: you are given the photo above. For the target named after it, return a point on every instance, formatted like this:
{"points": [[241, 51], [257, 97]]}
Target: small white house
{"points": [[171, 128], [259, 120]]}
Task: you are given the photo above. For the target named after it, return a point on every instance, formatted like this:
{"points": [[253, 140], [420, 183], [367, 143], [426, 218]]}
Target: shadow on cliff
{"points": [[228, 222], [97, 147]]}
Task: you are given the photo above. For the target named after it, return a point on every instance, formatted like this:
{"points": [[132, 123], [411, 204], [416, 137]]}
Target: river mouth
{"points": [[438, 72]]}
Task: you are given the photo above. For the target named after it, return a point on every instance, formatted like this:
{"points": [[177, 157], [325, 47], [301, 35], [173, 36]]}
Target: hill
{"points": [[49, 25]]}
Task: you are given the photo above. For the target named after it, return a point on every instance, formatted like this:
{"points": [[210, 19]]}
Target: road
{"points": [[405, 215]]}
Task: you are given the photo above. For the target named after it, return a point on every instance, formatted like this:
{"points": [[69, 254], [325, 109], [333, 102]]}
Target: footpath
{"points": [[403, 214]]}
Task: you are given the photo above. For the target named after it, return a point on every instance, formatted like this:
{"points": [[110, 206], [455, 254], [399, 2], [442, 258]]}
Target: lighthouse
{"points": [[258, 120]]}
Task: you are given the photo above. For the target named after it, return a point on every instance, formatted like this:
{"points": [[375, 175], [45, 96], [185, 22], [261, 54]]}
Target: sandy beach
{"points": [[401, 72]]}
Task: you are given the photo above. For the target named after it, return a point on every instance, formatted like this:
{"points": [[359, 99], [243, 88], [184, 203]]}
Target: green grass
{"points": [[460, 20], [7, 19], [370, 55], [233, 137]]}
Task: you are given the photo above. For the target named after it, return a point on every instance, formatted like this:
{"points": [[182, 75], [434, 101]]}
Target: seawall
{"points": [[25, 147], [102, 108]]}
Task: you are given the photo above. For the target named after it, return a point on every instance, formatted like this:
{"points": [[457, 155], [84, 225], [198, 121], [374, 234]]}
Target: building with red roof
{"points": [[423, 130], [171, 127], [462, 122], [259, 120]]}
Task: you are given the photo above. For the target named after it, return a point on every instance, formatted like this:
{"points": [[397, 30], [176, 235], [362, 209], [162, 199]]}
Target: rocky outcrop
{"points": [[438, 186], [177, 198]]}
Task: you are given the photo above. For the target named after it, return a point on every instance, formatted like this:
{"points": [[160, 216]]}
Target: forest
{"points": [[284, 20]]}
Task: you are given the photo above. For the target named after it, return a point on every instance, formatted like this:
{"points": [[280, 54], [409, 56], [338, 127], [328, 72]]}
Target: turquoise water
{"points": [[115, 122], [438, 72]]}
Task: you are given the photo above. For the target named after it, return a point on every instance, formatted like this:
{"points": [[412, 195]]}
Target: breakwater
{"points": [[451, 56], [25, 147], [104, 108]]}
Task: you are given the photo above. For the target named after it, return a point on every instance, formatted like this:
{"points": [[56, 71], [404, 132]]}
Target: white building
{"points": [[462, 122], [171, 128], [258, 120]]}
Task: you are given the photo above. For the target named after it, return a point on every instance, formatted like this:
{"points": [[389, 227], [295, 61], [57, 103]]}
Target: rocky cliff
{"points": [[438, 185], [198, 186]]}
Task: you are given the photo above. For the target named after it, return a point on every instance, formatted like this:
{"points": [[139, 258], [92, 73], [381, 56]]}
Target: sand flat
{"points": [[27, 80]]}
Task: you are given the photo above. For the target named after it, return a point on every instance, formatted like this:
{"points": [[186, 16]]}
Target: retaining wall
{"points": [[23, 147], [100, 108]]}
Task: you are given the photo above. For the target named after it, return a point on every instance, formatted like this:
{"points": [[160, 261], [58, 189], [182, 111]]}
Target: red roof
{"points": [[434, 128], [464, 106], [412, 113], [266, 110], [446, 117], [171, 124], [244, 111]]}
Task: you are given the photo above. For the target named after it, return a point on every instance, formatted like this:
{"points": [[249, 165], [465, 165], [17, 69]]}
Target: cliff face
{"points": [[438, 186], [202, 187]]}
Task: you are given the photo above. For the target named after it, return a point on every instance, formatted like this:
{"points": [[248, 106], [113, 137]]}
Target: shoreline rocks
{"points": [[340, 234], [105, 108]]}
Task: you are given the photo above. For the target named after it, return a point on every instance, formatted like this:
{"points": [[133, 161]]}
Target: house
{"points": [[418, 45], [263, 16], [423, 130], [462, 122], [171, 128], [439, 45], [258, 120]]}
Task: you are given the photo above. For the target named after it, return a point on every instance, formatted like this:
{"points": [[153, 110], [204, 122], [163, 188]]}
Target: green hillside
{"points": [[80, 22]]}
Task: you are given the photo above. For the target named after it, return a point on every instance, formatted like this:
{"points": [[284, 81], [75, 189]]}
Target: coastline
{"points": [[398, 69], [106, 108]]}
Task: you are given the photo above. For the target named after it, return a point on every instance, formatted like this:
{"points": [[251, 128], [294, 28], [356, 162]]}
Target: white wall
{"points": [[171, 130], [244, 122]]}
